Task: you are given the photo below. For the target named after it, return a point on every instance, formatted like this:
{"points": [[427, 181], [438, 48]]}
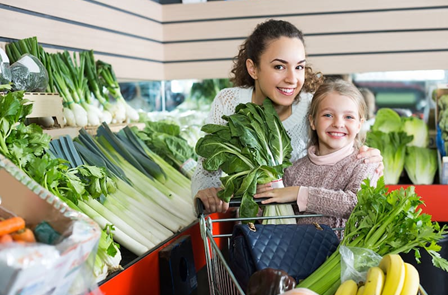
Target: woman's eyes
{"points": [[281, 67]]}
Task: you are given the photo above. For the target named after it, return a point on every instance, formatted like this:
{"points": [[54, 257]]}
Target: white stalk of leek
{"points": [[119, 235], [158, 213], [141, 212], [119, 223], [139, 225]]}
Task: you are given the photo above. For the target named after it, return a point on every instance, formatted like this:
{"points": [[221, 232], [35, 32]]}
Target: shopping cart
{"points": [[220, 277]]}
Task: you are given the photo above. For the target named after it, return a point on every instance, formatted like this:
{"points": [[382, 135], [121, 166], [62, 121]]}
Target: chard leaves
{"points": [[252, 148]]}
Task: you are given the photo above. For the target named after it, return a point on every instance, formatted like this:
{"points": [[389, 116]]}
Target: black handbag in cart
{"points": [[298, 249]]}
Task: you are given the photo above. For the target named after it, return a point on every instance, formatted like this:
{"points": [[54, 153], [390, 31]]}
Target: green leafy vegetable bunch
{"points": [[26, 145], [165, 140], [252, 148], [386, 223]]}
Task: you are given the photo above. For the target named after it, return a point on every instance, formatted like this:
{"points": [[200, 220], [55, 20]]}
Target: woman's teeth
{"points": [[287, 90]]}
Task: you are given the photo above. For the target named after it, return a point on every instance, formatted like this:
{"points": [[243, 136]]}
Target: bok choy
{"points": [[252, 148]]}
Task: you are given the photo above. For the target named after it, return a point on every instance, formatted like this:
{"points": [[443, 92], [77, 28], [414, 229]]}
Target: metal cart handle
{"points": [[234, 203]]}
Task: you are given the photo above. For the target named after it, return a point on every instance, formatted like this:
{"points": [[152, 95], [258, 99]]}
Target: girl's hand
{"points": [[277, 195], [372, 155], [211, 201]]}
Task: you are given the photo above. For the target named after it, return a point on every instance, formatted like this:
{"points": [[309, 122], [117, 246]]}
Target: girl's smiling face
{"points": [[337, 122], [280, 73]]}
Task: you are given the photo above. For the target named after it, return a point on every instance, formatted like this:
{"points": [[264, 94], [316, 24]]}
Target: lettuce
{"points": [[393, 149], [387, 120], [420, 164], [418, 128]]}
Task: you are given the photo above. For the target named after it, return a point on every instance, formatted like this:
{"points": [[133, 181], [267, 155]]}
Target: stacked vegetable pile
{"points": [[442, 103], [252, 148], [84, 84], [133, 194], [403, 143], [386, 223], [25, 147]]}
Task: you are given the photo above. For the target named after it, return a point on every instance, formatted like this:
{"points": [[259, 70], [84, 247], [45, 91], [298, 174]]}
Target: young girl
{"points": [[327, 180], [271, 63]]}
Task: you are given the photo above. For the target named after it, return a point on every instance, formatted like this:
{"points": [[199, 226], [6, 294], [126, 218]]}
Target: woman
{"points": [[271, 63]]}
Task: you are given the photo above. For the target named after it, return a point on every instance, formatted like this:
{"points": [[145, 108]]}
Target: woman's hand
{"points": [[212, 203], [277, 195], [372, 155]]}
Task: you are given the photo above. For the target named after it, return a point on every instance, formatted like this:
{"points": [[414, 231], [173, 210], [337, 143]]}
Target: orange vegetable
{"points": [[5, 239], [11, 225], [24, 235]]}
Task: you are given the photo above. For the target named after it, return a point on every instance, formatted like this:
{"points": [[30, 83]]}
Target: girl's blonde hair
{"points": [[343, 88]]}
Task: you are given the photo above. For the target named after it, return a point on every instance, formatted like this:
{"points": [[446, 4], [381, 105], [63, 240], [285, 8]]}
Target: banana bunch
{"points": [[391, 277]]}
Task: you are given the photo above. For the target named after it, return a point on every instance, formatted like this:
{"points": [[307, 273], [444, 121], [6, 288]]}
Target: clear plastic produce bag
{"points": [[5, 71], [29, 74], [355, 262]]}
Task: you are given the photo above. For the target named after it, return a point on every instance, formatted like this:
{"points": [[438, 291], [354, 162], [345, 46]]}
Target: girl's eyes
{"points": [[300, 67], [330, 115]]}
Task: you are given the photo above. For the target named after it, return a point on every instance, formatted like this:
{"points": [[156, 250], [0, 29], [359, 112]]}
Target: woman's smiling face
{"points": [[280, 73], [337, 122]]}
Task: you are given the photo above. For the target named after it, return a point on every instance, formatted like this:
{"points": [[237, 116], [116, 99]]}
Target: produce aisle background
{"points": [[144, 40]]}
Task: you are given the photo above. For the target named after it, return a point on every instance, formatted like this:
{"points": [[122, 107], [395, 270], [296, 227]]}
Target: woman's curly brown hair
{"points": [[256, 44]]}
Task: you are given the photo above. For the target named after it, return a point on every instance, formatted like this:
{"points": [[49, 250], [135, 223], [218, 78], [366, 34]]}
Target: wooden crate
{"points": [[46, 105]]}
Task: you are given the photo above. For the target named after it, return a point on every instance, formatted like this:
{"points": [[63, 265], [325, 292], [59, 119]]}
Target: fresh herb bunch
{"points": [[384, 222], [252, 148]]}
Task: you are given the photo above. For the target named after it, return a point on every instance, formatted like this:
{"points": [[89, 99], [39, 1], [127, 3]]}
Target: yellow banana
{"points": [[360, 290], [348, 287], [374, 282], [393, 267], [411, 280]]}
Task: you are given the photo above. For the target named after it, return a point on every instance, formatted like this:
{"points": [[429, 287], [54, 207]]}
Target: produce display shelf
{"points": [[46, 105], [141, 276]]}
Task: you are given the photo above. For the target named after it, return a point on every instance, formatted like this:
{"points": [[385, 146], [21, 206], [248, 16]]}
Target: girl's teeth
{"points": [[336, 134]]}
